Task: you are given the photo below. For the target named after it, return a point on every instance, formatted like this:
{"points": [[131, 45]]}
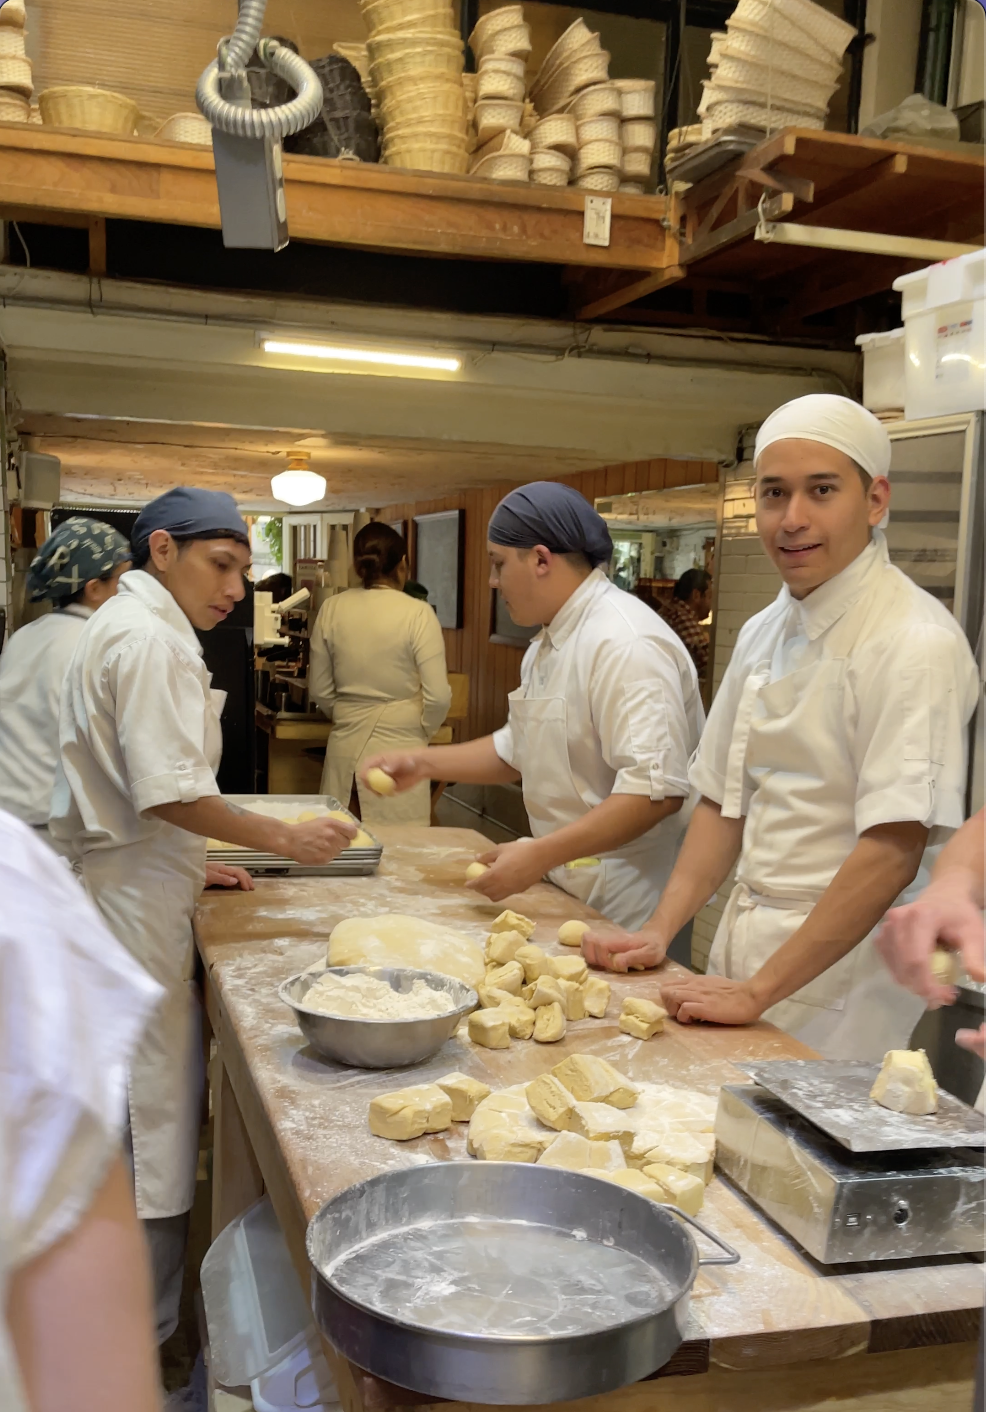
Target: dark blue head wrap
{"points": [[549, 513], [190, 513], [79, 550]]}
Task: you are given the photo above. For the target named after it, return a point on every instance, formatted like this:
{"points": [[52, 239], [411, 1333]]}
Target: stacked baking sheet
{"points": [[353, 862]]}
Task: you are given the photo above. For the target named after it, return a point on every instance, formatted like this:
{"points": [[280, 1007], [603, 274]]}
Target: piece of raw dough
{"points": [[593, 1080], [490, 997], [571, 933], [509, 977], [465, 1093], [642, 1018], [906, 1084], [476, 870], [597, 993], [684, 1191], [513, 922], [490, 1028], [533, 959], [503, 1129], [633, 1180], [578, 1154], [682, 1150], [521, 1019], [393, 939], [600, 1122], [544, 991], [502, 947], [380, 782], [410, 1112], [569, 968], [551, 1101], [572, 1000], [549, 1026], [946, 966]]}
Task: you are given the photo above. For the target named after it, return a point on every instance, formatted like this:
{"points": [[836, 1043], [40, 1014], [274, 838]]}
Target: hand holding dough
{"points": [[380, 782], [476, 870], [946, 966]]}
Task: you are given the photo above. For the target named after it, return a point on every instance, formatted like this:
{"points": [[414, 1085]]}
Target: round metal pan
{"points": [[503, 1283]]}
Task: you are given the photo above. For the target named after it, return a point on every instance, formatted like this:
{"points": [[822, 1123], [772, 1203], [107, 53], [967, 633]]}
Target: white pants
{"points": [[167, 1243]]}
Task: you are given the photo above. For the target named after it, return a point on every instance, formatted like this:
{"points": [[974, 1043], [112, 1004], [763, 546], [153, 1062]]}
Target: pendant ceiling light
{"points": [[298, 485]]}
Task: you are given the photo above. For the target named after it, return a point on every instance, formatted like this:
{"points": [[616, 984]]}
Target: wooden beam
{"points": [[97, 246], [733, 231], [629, 293]]}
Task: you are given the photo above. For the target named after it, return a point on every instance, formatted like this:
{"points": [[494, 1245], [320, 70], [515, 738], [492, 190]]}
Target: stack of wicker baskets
{"points": [[638, 132], [577, 65], [777, 66], [16, 83], [416, 61], [501, 43]]}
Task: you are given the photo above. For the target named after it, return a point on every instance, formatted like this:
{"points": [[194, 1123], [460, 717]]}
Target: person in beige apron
{"points": [[135, 799], [377, 669], [601, 727], [835, 753]]}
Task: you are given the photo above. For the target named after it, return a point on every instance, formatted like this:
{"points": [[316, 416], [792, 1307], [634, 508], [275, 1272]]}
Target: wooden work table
{"points": [[774, 1333]]}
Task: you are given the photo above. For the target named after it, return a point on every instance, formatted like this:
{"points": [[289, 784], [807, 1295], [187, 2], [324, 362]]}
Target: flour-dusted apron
{"points": [[359, 731], [147, 894], [797, 725], [624, 885]]}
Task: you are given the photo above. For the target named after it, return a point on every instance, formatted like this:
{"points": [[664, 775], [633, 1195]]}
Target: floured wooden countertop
{"points": [[776, 1306]]}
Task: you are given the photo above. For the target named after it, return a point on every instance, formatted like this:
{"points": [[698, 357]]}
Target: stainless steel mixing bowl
{"points": [[378, 1044]]}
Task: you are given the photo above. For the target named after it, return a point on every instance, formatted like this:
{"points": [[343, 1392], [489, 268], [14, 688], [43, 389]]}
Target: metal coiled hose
{"points": [[259, 122]]}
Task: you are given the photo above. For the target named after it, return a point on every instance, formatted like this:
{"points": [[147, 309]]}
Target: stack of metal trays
{"points": [[352, 863]]}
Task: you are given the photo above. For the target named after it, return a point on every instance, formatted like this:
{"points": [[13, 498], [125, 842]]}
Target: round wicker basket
{"points": [[548, 176], [636, 165], [15, 74], [92, 109], [598, 154], [11, 43], [551, 161], [186, 127], [14, 108], [638, 135], [13, 14], [598, 130], [429, 157], [570, 79], [494, 83], [600, 179], [819, 67], [506, 17], [771, 79], [558, 132], [450, 133], [416, 62], [577, 34], [602, 100], [636, 97], [496, 116], [633, 188], [515, 42], [728, 113], [406, 14], [719, 38], [774, 20], [503, 166], [439, 100]]}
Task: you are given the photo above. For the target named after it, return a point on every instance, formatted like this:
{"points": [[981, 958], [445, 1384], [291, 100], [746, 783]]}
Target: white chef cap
{"points": [[834, 421]]}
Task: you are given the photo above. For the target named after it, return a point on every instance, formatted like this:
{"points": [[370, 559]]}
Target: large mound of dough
{"points": [[393, 939]]}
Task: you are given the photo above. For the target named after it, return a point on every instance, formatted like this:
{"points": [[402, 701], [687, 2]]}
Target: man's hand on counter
{"points": [[405, 769], [713, 998], [624, 951], [318, 841], [219, 875], [511, 867]]}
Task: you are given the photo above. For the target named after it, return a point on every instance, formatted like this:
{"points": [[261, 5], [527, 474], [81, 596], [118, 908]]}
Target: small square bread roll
{"points": [[490, 1028], [571, 933], [642, 1018], [600, 1122], [684, 1191], [513, 922], [569, 968], [410, 1112], [544, 991], [534, 961], [572, 1000], [549, 1026], [593, 1080], [502, 947], [633, 1180], [551, 1101], [465, 1093], [578, 1154], [596, 992], [509, 977]]}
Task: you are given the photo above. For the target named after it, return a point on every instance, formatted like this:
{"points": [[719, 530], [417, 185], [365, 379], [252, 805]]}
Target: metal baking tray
{"points": [[834, 1094], [353, 863], [707, 157], [503, 1283]]}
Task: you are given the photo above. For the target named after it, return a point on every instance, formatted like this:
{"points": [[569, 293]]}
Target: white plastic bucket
{"points": [[883, 370], [944, 308]]}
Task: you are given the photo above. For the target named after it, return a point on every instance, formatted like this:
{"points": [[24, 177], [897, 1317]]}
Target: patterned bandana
{"points": [[80, 549]]}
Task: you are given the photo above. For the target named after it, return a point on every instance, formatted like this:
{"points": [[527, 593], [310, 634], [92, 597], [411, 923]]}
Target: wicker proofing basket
{"points": [[432, 100], [598, 154], [725, 113], [15, 74], [548, 176], [639, 135], [827, 30], [602, 100], [577, 34], [506, 17], [598, 130], [571, 79], [11, 43], [759, 97], [636, 97], [551, 161], [429, 157], [422, 64], [515, 42], [758, 49], [186, 127], [633, 188], [497, 116], [557, 132], [408, 14], [494, 83], [719, 38], [766, 18], [92, 109], [14, 108], [546, 78], [599, 179], [636, 165], [451, 133], [13, 14], [773, 80], [503, 166]]}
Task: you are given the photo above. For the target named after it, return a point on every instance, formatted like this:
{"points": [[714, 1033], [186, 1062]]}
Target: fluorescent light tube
{"points": [[361, 355]]}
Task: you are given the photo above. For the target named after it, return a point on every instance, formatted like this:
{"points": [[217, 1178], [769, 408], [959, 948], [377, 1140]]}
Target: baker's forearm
{"points": [[616, 821], [473, 762], [709, 851], [878, 869], [212, 817], [960, 863]]}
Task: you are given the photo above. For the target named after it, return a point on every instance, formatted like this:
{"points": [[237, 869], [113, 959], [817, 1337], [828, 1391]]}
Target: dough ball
{"points": [[380, 782], [490, 1028], [411, 1112], [597, 993], [362, 840], [569, 968], [571, 933], [393, 939], [476, 870], [465, 1093], [550, 1024], [533, 959], [502, 947]]}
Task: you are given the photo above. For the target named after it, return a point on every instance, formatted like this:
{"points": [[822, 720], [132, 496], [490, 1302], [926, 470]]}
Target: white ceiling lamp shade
{"points": [[298, 485], [372, 357]]}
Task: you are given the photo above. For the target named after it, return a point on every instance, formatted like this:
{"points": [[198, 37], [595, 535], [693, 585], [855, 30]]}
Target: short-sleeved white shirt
{"points": [[73, 1003]]}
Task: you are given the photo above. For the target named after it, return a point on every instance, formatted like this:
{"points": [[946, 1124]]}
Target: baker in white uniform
{"points": [[599, 730], [76, 569], [136, 798], [835, 753]]}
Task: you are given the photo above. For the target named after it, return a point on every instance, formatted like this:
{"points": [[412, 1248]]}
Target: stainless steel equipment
{"points": [[846, 1205], [503, 1283], [353, 862], [378, 1044]]}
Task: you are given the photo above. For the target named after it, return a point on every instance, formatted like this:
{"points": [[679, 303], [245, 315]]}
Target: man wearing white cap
{"points": [[835, 754]]}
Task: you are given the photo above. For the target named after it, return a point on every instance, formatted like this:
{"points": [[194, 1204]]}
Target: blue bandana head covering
{"points": [[190, 513], [80, 549], [549, 513]]}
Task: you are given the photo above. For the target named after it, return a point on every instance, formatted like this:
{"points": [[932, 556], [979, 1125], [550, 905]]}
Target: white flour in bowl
{"points": [[365, 997]]}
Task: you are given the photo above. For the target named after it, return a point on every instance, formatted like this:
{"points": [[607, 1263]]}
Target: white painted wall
{"points": [[970, 55], [890, 63]]}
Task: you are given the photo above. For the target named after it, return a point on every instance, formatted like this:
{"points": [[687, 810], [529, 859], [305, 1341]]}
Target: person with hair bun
{"points": [[377, 669]]}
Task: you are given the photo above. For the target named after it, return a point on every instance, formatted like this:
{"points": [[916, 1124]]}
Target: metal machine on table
{"points": [[849, 1180]]}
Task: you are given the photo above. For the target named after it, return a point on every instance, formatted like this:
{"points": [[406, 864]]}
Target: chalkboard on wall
{"points": [[439, 550]]}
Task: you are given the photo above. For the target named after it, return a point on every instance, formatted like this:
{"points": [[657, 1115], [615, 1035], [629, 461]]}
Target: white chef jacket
{"points": [[608, 704], [72, 1005], [837, 713], [33, 666]]}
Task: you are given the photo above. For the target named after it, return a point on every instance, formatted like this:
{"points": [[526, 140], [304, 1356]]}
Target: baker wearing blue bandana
{"points": [[601, 728]]}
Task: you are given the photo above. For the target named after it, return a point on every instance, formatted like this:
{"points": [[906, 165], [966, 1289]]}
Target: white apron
{"points": [[625, 885], [147, 893], [359, 731], [797, 725]]}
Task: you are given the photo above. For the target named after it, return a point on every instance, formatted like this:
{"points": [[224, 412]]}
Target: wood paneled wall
{"points": [[494, 669]]}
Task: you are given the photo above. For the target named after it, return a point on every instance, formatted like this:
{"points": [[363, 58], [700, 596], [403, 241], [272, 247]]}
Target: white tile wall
{"points": [[748, 582]]}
